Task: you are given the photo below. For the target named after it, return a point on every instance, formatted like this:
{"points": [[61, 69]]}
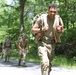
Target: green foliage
{"points": [[10, 25], [15, 53], [33, 49], [68, 45], [60, 60], [71, 35], [33, 55]]}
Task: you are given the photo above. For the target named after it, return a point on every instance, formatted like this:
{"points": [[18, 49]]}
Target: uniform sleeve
{"points": [[19, 41], [39, 21], [27, 41], [61, 21]]}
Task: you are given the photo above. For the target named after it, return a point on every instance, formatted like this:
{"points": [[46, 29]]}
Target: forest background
{"points": [[20, 13]]}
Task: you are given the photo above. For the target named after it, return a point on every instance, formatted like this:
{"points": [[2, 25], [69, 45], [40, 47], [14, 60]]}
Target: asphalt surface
{"points": [[11, 68]]}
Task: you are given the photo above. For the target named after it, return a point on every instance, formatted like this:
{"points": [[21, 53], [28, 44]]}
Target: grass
{"points": [[64, 62], [59, 60]]}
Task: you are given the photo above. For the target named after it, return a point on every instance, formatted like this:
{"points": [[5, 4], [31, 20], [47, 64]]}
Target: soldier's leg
{"points": [[8, 54], [51, 55], [8, 57], [2, 55], [5, 54], [24, 58], [42, 51], [5, 57], [50, 65], [19, 58]]}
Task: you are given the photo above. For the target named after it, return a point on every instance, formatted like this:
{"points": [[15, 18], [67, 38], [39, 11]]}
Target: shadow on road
{"points": [[14, 63], [31, 69]]}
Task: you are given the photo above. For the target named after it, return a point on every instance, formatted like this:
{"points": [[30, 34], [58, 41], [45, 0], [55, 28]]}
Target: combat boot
{"points": [[24, 64], [19, 63], [5, 58]]}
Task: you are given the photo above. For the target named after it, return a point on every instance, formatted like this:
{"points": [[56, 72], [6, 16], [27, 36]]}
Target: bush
{"points": [[68, 45]]}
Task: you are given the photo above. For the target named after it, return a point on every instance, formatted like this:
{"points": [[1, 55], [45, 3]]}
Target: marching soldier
{"points": [[22, 45], [51, 27], [8, 48]]}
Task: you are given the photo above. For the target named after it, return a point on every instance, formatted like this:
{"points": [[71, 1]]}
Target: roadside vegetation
{"points": [[12, 18]]}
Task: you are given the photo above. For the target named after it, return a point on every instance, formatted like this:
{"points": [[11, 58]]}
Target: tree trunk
{"points": [[22, 3]]}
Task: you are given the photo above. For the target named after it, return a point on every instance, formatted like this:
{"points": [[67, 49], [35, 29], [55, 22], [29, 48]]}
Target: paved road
{"points": [[11, 68]]}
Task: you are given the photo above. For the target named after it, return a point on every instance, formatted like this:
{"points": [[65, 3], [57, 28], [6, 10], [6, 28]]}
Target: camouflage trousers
{"points": [[7, 51], [7, 54], [46, 53], [22, 55]]}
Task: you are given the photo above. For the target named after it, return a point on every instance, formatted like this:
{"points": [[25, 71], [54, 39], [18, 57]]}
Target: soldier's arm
{"points": [[11, 45], [36, 27], [4, 45], [60, 27], [19, 46]]}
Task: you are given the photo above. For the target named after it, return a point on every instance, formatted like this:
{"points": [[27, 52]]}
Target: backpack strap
{"points": [[38, 36], [57, 21]]}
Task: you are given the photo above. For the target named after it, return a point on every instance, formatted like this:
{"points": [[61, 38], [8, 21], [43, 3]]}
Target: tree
{"points": [[22, 3]]}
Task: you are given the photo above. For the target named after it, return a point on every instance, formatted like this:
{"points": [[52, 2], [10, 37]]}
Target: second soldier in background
{"points": [[22, 44]]}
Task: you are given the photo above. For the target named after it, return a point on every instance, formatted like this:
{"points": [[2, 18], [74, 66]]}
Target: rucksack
{"points": [[36, 17], [36, 37], [41, 15]]}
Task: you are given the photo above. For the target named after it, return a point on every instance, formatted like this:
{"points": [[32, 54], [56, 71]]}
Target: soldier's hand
{"points": [[22, 50], [45, 28], [60, 29]]}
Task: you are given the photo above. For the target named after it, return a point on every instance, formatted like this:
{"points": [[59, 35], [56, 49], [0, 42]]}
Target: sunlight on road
{"points": [[11, 68]]}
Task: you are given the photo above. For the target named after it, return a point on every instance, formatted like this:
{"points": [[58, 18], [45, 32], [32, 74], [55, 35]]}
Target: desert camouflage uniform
{"points": [[47, 45], [22, 54], [7, 48]]}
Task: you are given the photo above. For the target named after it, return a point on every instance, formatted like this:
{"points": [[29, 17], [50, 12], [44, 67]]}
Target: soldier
{"points": [[22, 45], [1, 48], [51, 29], [7, 48]]}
